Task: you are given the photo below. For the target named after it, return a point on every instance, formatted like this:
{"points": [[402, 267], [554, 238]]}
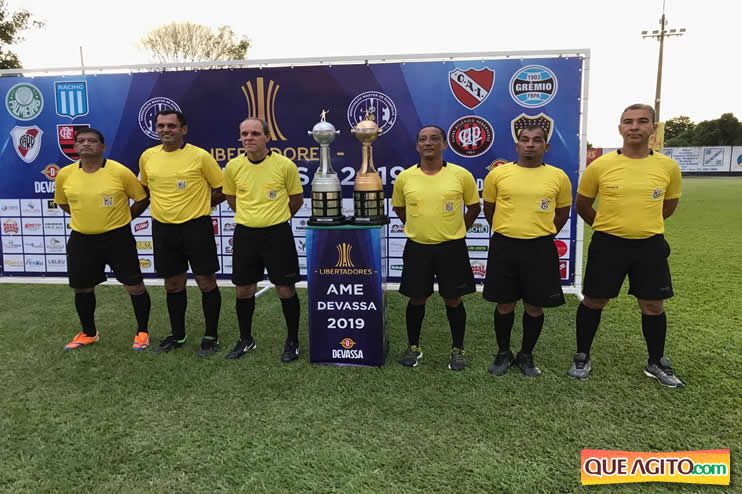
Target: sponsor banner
{"points": [[56, 264], [12, 244], [301, 246], [716, 159], [566, 231], [711, 467], [227, 226], [563, 269], [305, 211], [227, 244], [219, 241], [10, 207], [478, 247], [147, 264], [225, 210], [54, 226], [11, 226], [479, 268], [144, 245], [395, 267], [33, 245], [55, 245], [396, 228], [736, 159], [476, 102], [689, 159], [396, 247], [226, 265], [51, 208], [346, 300], [32, 226], [13, 263], [562, 247], [31, 207], [479, 229], [34, 263], [303, 266]]}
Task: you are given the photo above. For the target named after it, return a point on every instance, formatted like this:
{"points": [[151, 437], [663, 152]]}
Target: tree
{"points": [[12, 24], [182, 42], [677, 126], [724, 131]]}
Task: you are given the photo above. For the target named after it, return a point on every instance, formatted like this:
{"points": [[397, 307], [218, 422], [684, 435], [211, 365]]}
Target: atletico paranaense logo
{"points": [[470, 136], [66, 139], [471, 87], [541, 120], [24, 101], [71, 98], [27, 142], [533, 86]]}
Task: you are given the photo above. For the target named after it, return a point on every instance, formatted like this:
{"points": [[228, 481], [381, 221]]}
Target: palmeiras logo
{"points": [[541, 120], [376, 103], [261, 103], [471, 87], [27, 142], [24, 101], [71, 98], [66, 139], [533, 86], [148, 114], [470, 136]]}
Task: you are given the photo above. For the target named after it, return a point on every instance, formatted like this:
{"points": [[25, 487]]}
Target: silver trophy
{"points": [[327, 194]]}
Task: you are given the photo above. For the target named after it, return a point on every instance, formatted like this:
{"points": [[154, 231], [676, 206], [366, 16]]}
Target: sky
{"points": [[623, 65]]}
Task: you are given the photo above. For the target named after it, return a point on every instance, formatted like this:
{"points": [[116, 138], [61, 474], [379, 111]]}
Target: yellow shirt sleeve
{"points": [[229, 187], [398, 192], [471, 195], [293, 181], [675, 185], [59, 196], [489, 190], [564, 197], [132, 186], [143, 169], [588, 186], [211, 171]]}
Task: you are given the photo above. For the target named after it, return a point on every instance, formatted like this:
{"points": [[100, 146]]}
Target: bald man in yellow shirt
{"points": [[526, 203], [637, 191]]}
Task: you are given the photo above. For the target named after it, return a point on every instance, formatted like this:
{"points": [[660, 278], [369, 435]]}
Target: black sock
{"points": [[503, 328], [655, 331], [141, 304], [587, 325], [457, 320], [211, 302], [291, 312], [176, 308], [531, 331], [414, 316], [85, 305], [245, 309]]}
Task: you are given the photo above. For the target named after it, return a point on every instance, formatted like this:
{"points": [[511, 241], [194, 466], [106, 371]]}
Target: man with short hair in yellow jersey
{"points": [[526, 203], [95, 191], [429, 198], [264, 190], [637, 190], [184, 183]]}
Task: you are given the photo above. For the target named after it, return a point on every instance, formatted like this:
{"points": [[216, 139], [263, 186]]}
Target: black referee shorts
{"points": [[611, 258], [446, 262], [258, 249], [525, 269], [87, 256], [177, 244]]}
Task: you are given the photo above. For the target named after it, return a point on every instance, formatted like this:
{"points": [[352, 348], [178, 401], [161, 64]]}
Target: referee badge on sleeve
{"points": [[657, 193], [107, 201], [545, 203], [181, 184]]}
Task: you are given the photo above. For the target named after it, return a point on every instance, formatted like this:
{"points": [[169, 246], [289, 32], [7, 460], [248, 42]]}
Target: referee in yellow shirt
{"points": [[264, 190], [526, 203], [429, 198], [95, 192], [184, 183], [637, 190]]}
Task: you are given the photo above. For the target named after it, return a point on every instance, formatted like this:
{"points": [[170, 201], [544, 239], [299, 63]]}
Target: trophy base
{"points": [[327, 220], [369, 220]]}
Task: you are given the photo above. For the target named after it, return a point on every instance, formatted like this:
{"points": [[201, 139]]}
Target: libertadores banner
{"points": [[479, 103]]}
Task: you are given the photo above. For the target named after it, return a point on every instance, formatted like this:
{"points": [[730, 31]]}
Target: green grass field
{"points": [[106, 419]]}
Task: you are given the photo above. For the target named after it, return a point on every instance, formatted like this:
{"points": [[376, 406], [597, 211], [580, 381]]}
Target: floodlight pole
{"points": [[660, 36]]}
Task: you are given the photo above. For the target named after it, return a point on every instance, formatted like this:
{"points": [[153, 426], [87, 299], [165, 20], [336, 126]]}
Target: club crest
{"points": [[471, 87]]}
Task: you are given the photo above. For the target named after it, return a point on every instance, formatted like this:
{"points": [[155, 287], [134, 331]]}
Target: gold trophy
{"points": [[368, 191]]}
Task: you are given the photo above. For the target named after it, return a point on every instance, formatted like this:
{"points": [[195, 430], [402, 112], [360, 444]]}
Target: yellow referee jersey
{"points": [[630, 192], [179, 182], [434, 203], [262, 189], [98, 201], [525, 199]]}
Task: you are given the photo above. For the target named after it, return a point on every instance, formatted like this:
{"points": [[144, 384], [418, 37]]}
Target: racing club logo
{"points": [[374, 103], [148, 113], [470, 136], [541, 120], [472, 86], [27, 142], [66, 134], [71, 98], [24, 101], [533, 86]]}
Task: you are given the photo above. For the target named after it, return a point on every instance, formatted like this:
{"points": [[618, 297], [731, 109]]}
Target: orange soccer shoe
{"points": [[141, 341], [80, 340]]}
